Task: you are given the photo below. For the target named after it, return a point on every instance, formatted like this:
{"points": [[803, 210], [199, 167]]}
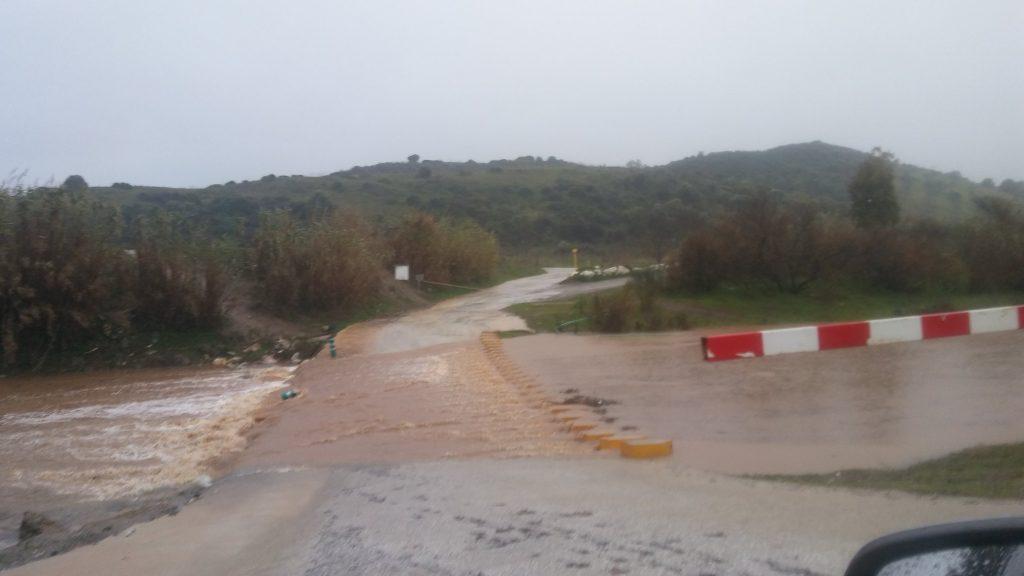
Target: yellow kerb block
{"points": [[560, 408], [614, 442], [646, 448]]}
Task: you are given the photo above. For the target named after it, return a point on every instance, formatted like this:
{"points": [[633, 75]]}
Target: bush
{"points": [[319, 266], [993, 246], [907, 260], [181, 277], [634, 308], [699, 265], [419, 242], [62, 277], [763, 241], [472, 252], [445, 252]]}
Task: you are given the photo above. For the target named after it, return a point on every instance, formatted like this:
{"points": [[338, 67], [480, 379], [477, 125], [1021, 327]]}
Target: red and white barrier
{"points": [[868, 333]]}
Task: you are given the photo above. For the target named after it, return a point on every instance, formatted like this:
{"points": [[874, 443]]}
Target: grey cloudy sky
{"points": [[192, 92]]}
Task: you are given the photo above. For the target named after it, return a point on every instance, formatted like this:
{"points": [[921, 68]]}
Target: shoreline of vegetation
{"points": [[769, 261], [142, 275], [83, 287]]}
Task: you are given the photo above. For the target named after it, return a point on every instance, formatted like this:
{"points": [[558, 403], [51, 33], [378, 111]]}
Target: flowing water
{"points": [[119, 434], [83, 446]]}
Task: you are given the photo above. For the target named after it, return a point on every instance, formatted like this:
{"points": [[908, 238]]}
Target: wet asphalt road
{"points": [[509, 517]]}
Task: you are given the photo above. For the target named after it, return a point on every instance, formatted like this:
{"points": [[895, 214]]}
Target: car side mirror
{"points": [[979, 548]]}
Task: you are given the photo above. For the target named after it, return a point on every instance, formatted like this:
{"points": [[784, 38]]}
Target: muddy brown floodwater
{"points": [[69, 443], [878, 406], [417, 387], [89, 449]]}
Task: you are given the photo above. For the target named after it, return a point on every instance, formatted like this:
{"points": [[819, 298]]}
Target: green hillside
{"points": [[532, 202]]}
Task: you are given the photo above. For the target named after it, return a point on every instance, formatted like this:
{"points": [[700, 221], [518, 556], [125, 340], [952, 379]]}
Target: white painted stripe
{"points": [[993, 320], [787, 340], [905, 329]]}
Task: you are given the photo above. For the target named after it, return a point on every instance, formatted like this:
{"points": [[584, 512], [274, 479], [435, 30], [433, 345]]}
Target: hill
{"points": [[532, 202]]}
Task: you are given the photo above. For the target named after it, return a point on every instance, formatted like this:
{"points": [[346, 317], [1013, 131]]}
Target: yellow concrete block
{"points": [[561, 408], [614, 442], [646, 448], [596, 434]]}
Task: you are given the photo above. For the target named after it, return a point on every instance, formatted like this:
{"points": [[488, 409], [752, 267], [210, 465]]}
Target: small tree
{"points": [[873, 192], [413, 158], [75, 183]]}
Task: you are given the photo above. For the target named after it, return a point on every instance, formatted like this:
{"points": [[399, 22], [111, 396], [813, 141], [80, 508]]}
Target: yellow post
{"points": [[575, 259]]}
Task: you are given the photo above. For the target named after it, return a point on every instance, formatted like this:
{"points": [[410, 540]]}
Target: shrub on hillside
{"points": [[908, 259], [634, 308], [699, 265], [330, 262], [993, 246], [181, 277], [444, 251], [419, 242], [62, 277], [472, 252], [763, 241]]}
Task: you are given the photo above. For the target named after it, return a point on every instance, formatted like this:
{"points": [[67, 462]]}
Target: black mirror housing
{"points": [[879, 553]]}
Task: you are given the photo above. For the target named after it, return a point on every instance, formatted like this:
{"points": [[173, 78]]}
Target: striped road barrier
{"points": [[866, 333]]}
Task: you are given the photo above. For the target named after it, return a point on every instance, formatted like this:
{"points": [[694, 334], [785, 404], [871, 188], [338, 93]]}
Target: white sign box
{"points": [[402, 272]]}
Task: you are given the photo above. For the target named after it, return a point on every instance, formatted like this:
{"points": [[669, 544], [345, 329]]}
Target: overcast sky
{"points": [[193, 92]]}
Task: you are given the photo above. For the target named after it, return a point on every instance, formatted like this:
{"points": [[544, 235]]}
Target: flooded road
{"points": [[410, 453], [811, 412], [465, 317], [84, 446], [417, 387], [68, 439]]}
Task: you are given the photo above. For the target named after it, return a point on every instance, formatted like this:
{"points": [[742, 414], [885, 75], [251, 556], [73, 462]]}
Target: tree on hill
{"points": [[74, 183], [873, 192], [413, 158]]}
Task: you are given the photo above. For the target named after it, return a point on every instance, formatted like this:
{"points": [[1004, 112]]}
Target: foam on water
{"points": [[125, 438]]}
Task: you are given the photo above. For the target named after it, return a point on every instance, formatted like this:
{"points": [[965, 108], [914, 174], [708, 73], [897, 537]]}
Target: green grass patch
{"points": [[742, 307], [505, 334], [513, 268], [546, 316], [981, 472], [736, 306]]}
